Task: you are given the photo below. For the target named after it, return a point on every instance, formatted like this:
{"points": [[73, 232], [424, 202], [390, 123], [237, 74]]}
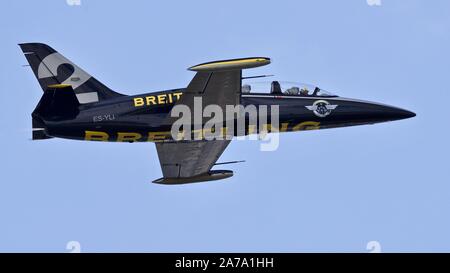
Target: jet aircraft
{"points": [[75, 105]]}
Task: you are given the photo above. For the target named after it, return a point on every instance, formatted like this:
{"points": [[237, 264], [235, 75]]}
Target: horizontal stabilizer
{"points": [[39, 130]]}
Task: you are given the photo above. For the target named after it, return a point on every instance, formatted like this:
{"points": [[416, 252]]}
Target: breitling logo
{"points": [[158, 99], [321, 108]]}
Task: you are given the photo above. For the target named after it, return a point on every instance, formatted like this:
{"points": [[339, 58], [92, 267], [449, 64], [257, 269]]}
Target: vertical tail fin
{"points": [[51, 68]]}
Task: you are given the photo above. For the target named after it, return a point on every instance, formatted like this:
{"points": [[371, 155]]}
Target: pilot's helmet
{"points": [[292, 91], [246, 88]]}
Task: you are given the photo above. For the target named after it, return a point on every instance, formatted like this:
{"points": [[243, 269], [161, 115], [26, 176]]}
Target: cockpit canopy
{"points": [[284, 88]]}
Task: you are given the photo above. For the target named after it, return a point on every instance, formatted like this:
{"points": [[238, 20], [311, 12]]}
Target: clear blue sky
{"points": [[328, 190]]}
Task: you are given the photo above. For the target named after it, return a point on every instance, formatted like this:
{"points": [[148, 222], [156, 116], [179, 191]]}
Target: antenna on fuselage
{"points": [[260, 76]]}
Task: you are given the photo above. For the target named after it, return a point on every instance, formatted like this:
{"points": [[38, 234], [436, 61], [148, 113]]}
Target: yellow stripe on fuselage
{"points": [[59, 85]]}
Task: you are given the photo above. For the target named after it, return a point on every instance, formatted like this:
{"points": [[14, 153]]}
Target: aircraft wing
{"points": [[220, 88], [216, 83], [190, 161]]}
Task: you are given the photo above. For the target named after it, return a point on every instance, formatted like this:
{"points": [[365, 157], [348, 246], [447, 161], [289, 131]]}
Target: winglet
{"points": [[234, 64]]}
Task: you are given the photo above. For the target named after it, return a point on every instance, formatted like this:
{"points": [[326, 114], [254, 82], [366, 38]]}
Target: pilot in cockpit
{"points": [[304, 91], [292, 91], [246, 88], [275, 88], [297, 91]]}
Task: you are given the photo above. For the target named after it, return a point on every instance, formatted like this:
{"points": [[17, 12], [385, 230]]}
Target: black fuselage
{"points": [[142, 118]]}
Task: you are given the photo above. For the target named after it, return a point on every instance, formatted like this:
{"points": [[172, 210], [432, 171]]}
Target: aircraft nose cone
{"points": [[403, 114], [395, 113], [378, 112]]}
